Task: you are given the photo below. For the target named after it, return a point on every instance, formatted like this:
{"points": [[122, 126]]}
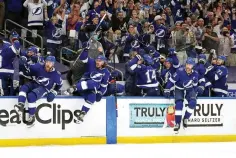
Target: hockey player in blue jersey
{"points": [[93, 85], [47, 82], [171, 65], [186, 81], [9, 51], [31, 55], [130, 77], [201, 68], [218, 78], [145, 75]]}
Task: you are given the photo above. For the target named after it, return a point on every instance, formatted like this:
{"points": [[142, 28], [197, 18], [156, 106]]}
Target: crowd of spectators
{"points": [[185, 23]]}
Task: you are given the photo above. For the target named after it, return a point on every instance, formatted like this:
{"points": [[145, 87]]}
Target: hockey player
{"points": [[171, 64], [186, 81], [130, 77], [32, 57], [47, 83], [145, 75], [93, 85], [218, 77], [201, 68], [9, 51]]}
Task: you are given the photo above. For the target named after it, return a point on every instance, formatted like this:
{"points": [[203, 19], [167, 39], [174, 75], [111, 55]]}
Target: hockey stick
{"points": [[89, 39]]}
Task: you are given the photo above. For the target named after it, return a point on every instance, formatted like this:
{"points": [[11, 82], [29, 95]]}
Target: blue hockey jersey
{"points": [[218, 77], [7, 56], [145, 75], [160, 36], [49, 80], [167, 73], [23, 69], [182, 80], [90, 68], [54, 32]]}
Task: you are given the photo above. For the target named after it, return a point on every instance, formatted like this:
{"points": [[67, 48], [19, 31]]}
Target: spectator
{"points": [[73, 17], [210, 40], [179, 41], [199, 31], [118, 21], [37, 9], [225, 45], [169, 18], [2, 13], [60, 13]]}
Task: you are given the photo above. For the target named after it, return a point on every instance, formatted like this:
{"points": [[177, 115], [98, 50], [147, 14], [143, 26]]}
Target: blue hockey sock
{"points": [[178, 111], [190, 109], [32, 110], [86, 107]]}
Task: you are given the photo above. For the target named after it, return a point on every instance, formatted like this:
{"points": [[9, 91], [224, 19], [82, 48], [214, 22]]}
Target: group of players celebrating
{"points": [[153, 75], [147, 74]]}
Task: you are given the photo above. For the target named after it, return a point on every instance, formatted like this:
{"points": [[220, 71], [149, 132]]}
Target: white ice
{"points": [[178, 150]]}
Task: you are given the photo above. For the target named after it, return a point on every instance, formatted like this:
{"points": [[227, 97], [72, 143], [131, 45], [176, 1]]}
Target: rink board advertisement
{"points": [[154, 117], [53, 120], [147, 115], [140, 120]]}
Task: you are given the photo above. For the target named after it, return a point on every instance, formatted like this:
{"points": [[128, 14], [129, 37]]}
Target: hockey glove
{"points": [[172, 51], [15, 84], [51, 95], [98, 96], [200, 90], [167, 93], [23, 60]]}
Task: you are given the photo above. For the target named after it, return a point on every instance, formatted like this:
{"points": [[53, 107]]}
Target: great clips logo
{"points": [[58, 115]]}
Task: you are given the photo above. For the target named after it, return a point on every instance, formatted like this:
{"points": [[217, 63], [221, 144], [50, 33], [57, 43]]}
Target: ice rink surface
{"points": [[178, 150]]}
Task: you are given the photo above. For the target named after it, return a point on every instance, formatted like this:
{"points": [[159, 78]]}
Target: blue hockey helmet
{"points": [[102, 58], [202, 56], [141, 52], [170, 60], [148, 59], [190, 61], [14, 36], [33, 49], [150, 49], [221, 57], [51, 59]]}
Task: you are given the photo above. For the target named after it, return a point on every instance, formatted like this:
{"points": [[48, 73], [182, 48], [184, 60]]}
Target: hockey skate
{"points": [[185, 123], [31, 121], [176, 128], [80, 118], [19, 109]]}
